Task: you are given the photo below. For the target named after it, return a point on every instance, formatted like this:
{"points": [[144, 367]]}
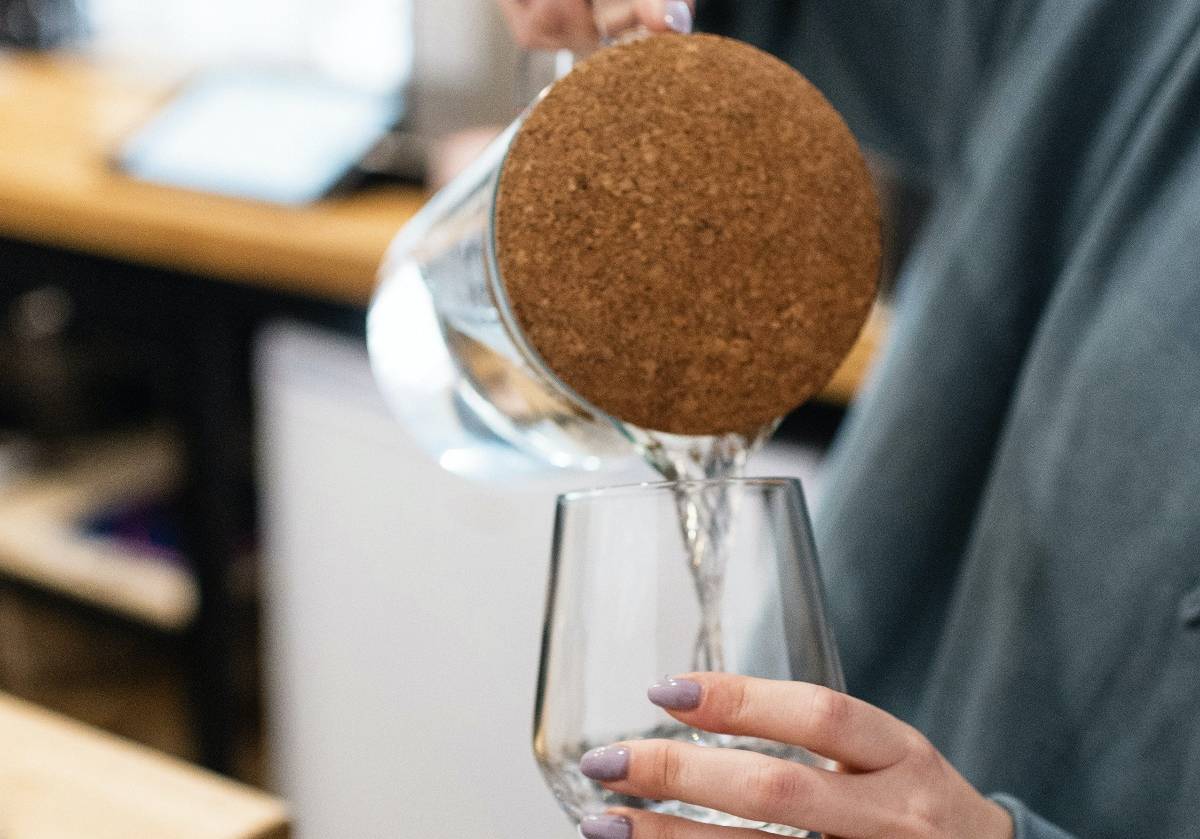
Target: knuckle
{"points": [[924, 814], [830, 712], [670, 829], [737, 709], [670, 768], [921, 817], [546, 23], [777, 789], [923, 755]]}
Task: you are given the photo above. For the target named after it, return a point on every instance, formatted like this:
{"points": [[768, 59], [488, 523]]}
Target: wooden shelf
{"points": [[63, 780], [40, 542]]}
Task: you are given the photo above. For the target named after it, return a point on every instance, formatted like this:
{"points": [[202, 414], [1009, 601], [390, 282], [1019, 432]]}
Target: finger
{"points": [[550, 24], [613, 17], [516, 13], [621, 823], [581, 24], [666, 15], [832, 724], [745, 784]]}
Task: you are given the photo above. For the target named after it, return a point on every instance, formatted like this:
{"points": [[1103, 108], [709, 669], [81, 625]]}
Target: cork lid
{"points": [[688, 235]]}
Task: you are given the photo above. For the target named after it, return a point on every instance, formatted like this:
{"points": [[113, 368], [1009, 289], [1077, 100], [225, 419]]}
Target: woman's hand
{"points": [[571, 24], [893, 782]]}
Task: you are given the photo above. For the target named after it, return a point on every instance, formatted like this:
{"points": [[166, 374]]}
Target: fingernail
{"points": [[608, 763], [606, 827], [678, 16], [675, 694]]}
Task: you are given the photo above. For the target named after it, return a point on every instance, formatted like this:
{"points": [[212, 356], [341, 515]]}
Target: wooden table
{"points": [[60, 120], [62, 780]]}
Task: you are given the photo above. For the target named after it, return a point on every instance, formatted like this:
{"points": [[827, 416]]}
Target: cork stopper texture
{"points": [[688, 235]]}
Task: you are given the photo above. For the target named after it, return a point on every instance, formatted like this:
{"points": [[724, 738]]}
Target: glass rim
{"points": [[648, 487]]}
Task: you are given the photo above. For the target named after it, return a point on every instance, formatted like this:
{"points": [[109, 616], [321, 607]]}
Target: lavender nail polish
{"points": [[678, 16], [608, 763], [606, 827], [676, 694]]}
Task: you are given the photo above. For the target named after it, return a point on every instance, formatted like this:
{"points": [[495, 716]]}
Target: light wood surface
{"points": [[62, 780], [853, 373], [61, 117]]}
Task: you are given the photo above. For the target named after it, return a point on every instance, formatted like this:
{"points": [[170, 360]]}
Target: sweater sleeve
{"points": [[1027, 824]]}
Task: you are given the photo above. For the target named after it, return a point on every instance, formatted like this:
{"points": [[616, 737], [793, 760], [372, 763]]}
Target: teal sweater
{"points": [[1012, 534]]}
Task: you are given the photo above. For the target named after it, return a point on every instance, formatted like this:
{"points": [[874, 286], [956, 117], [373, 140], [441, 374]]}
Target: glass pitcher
{"points": [[455, 366], [450, 358]]}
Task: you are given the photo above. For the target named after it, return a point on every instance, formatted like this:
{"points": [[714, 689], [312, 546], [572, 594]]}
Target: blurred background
{"points": [[214, 540]]}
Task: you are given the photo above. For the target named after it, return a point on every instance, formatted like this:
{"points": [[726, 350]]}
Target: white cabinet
{"points": [[403, 611]]}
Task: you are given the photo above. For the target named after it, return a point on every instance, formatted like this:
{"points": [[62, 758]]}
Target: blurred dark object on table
{"points": [[39, 24], [58, 377]]}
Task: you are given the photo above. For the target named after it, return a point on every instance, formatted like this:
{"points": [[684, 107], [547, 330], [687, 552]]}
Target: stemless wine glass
{"points": [[660, 579]]}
